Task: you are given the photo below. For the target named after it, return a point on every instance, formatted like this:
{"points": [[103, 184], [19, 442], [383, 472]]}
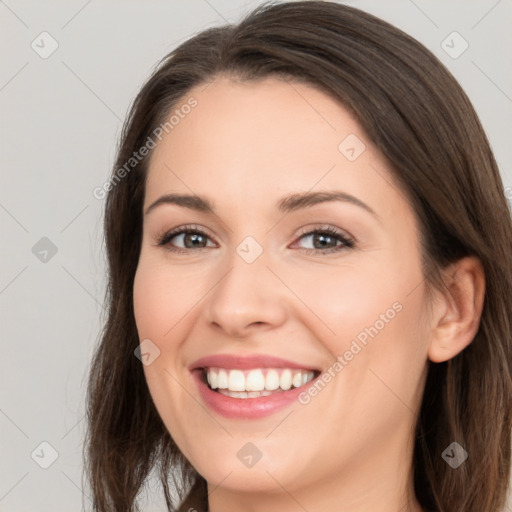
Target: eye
{"points": [[326, 240], [186, 238], [189, 237]]}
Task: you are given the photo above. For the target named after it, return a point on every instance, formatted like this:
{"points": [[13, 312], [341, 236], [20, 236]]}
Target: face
{"points": [[303, 273]]}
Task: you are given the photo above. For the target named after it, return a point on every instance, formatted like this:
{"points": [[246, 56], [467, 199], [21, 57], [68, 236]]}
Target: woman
{"points": [[309, 251]]}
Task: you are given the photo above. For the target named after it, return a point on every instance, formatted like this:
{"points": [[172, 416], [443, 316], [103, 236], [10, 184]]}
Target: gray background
{"points": [[61, 117]]}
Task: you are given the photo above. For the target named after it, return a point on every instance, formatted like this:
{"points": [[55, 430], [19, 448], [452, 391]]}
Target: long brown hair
{"points": [[423, 123]]}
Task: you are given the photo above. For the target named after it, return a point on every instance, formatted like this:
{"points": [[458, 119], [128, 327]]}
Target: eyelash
{"points": [[347, 242]]}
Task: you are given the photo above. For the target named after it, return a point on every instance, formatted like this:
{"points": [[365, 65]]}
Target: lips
{"points": [[232, 361], [248, 387]]}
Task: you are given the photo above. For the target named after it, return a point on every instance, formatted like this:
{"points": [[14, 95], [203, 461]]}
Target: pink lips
{"points": [[245, 362], [244, 408]]}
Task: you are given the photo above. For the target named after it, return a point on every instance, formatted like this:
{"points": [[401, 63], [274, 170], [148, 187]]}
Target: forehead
{"points": [[260, 140], [242, 114]]}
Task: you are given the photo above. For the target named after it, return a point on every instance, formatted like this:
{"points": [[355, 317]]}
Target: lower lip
{"points": [[245, 408]]}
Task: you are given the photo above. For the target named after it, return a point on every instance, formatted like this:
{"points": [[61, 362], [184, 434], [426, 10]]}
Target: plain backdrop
{"points": [[61, 115]]}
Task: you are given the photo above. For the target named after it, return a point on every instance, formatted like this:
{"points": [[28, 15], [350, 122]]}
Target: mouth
{"points": [[250, 387], [256, 382]]}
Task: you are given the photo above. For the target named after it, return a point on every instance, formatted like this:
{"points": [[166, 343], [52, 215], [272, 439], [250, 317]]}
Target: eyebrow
{"points": [[286, 204]]}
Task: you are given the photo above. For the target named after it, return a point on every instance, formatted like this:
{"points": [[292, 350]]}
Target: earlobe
{"points": [[459, 309]]}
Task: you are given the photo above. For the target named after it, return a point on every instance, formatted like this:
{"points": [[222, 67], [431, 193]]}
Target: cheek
{"points": [[373, 316], [161, 301], [161, 298], [345, 301], [383, 345]]}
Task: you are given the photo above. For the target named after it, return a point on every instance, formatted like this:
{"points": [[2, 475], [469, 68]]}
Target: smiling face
{"points": [[330, 283]]}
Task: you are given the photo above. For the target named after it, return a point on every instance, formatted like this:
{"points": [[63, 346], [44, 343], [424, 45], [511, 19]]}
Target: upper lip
{"points": [[243, 362]]}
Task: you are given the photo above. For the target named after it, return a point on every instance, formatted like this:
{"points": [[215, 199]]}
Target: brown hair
{"points": [[423, 123]]}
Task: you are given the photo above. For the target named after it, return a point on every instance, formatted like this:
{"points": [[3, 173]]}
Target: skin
{"points": [[244, 147]]}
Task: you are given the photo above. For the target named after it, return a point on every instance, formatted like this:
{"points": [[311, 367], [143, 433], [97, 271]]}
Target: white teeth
{"points": [[297, 380], [272, 380], [212, 379], [286, 380], [236, 380], [222, 379], [256, 382], [244, 394]]}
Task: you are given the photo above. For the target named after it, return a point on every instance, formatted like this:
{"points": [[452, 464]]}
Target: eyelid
{"points": [[347, 240], [164, 236], [327, 228]]}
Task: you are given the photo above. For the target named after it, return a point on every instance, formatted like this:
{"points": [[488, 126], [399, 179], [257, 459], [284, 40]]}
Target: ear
{"points": [[458, 309]]}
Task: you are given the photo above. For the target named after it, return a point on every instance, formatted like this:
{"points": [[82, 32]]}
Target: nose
{"points": [[247, 298]]}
